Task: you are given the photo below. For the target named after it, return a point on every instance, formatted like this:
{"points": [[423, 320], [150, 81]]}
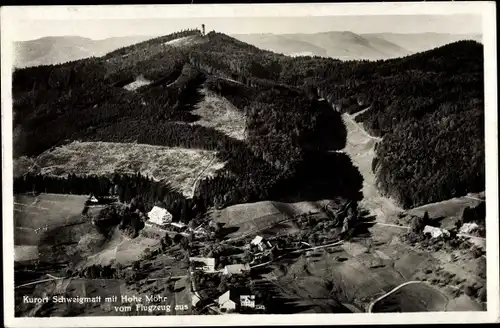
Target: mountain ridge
{"points": [[414, 101]]}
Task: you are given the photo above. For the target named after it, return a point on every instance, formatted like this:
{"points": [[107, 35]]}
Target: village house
{"points": [[208, 263], [260, 243], [247, 301], [467, 228], [226, 304], [158, 217], [194, 299], [435, 232], [236, 269]]}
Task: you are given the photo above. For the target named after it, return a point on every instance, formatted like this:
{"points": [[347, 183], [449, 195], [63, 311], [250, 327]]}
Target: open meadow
{"points": [[253, 218], [365, 268]]}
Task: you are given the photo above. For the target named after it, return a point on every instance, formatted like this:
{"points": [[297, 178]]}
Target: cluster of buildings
{"points": [[231, 300]]}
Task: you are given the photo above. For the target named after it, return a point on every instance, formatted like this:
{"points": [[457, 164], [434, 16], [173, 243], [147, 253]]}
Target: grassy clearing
{"points": [[25, 253], [264, 217], [140, 81], [451, 210], [218, 113], [179, 166], [184, 41], [236, 214], [35, 212], [122, 250], [359, 271], [241, 213]]}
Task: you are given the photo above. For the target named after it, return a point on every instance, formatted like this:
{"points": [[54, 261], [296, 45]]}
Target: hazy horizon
{"points": [[99, 29]]}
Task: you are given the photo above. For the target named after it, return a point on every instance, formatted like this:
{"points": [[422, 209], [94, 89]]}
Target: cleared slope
{"points": [[218, 113], [179, 166]]}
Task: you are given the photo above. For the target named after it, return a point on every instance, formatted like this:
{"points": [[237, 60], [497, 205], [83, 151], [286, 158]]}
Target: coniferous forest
{"points": [[428, 108]]}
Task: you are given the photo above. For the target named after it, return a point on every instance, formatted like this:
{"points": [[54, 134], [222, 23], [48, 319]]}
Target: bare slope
{"points": [[181, 167], [218, 113]]}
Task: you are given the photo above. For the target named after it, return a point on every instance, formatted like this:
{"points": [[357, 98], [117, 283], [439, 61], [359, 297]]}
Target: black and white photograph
{"points": [[249, 164]]}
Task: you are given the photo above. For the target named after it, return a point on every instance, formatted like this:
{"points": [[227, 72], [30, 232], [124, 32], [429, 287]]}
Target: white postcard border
{"points": [[9, 16]]}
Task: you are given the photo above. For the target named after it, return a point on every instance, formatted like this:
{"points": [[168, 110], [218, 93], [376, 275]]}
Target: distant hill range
{"points": [[61, 49], [341, 45], [352, 46]]}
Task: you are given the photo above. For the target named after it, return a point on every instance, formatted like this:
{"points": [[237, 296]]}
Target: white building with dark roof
{"points": [[247, 301], [159, 216], [226, 304]]}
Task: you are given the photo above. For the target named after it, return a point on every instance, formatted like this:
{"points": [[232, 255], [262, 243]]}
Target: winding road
{"points": [[372, 304]]}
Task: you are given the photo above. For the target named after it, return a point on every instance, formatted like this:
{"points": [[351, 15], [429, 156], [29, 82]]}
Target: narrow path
{"points": [[372, 304], [474, 198], [201, 173], [38, 282], [337, 243], [360, 128], [354, 115]]}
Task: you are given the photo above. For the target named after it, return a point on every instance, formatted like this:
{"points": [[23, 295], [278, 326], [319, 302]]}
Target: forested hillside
{"points": [[428, 108]]}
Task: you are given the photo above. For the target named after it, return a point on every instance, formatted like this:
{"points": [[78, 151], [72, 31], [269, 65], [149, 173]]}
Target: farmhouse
{"points": [[435, 232], [469, 227], [158, 216], [236, 269], [206, 264], [226, 304]]}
